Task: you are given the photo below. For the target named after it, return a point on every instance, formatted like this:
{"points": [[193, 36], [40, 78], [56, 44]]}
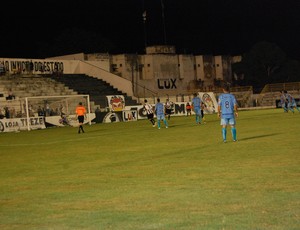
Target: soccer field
{"points": [[129, 175]]}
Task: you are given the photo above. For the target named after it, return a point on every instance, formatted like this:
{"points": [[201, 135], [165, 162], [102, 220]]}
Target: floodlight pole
{"points": [[145, 30]]}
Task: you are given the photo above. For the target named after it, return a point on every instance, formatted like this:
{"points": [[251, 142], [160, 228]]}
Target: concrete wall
{"points": [[158, 72], [48, 66]]}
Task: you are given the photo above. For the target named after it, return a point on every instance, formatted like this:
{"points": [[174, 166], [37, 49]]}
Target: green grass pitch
{"points": [[132, 176]]}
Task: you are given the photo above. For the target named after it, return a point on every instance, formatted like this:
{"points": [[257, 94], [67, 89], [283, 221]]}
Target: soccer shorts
{"points": [[160, 117], [228, 121], [150, 115], [80, 119]]}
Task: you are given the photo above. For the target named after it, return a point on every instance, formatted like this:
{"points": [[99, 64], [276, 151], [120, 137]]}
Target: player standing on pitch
{"points": [[196, 104], [160, 113], [80, 113], [227, 110]]}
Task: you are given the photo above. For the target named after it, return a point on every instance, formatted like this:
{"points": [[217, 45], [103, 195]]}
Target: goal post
{"points": [[48, 106]]}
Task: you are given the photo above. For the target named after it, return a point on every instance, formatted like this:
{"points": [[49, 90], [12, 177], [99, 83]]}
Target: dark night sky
{"points": [[217, 27]]}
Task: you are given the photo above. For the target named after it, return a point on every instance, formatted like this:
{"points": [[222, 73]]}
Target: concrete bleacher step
{"points": [[31, 86], [96, 88]]}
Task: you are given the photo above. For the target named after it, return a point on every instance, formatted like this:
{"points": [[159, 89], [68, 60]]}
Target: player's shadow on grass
{"points": [[185, 124], [258, 136]]}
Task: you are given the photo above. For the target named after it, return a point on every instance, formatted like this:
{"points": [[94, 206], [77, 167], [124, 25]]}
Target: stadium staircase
{"points": [[96, 88]]}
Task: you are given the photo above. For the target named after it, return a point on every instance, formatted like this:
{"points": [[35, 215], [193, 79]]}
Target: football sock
{"points": [[224, 132], [166, 123], [233, 132], [80, 128]]}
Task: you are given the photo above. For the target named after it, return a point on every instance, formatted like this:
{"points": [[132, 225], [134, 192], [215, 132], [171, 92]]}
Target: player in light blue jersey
{"points": [[227, 110], [283, 101], [294, 104], [160, 113], [289, 99], [196, 105]]}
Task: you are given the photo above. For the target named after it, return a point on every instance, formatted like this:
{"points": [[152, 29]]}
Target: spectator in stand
{"points": [[47, 109], [10, 96], [7, 112], [31, 67], [97, 110], [41, 111], [1, 114], [62, 110], [2, 69]]}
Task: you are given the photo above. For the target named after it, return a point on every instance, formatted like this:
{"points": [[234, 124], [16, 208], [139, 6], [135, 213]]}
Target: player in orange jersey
{"points": [[80, 113]]}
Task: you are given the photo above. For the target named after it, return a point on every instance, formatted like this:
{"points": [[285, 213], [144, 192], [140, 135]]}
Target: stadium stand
{"points": [[30, 85], [96, 88], [271, 92]]}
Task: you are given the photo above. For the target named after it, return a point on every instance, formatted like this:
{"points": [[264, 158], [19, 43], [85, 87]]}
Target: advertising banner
{"points": [[18, 124], [210, 102], [116, 103], [130, 115], [68, 120]]}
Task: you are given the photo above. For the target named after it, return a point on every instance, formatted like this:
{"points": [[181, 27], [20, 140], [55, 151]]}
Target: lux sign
{"points": [[166, 83]]}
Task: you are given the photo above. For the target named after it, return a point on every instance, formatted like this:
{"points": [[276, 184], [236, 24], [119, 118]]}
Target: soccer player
{"points": [[196, 104], [227, 110], [80, 113], [294, 104], [160, 113], [283, 101], [289, 99], [149, 110], [168, 106]]}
